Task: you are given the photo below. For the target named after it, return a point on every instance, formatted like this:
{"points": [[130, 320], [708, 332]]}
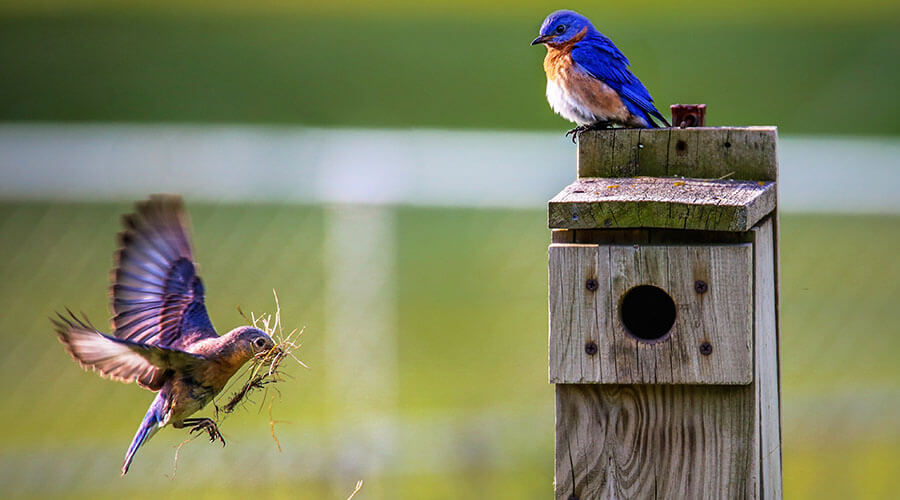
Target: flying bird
{"points": [[162, 336], [588, 80]]}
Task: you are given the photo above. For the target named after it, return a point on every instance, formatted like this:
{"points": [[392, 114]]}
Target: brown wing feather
{"points": [[117, 359]]}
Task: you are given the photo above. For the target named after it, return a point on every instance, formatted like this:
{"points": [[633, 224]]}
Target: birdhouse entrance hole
{"points": [[648, 313]]}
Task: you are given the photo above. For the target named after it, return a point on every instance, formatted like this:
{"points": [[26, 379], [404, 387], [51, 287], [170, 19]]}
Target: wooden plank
{"points": [[570, 268], [624, 273], [721, 316], [725, 152], [684, 149], [626, 151], [594, 150], [746, 153], [660, 202], [638, 362], [717, 317], [767, 370], [651, 145], [655, 441]]}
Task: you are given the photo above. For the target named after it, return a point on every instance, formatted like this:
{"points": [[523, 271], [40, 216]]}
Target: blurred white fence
{"points": [[410, 167]]}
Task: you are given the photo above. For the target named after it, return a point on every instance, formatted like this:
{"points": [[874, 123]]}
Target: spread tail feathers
{"points": [[153, 421]]}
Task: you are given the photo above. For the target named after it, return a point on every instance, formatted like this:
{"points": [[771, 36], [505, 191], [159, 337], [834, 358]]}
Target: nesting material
{"points": [[264, 369]]}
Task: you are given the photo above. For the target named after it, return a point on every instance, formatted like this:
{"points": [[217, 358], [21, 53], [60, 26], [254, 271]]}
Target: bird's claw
{"points": [[211, 428], [577, 131]]}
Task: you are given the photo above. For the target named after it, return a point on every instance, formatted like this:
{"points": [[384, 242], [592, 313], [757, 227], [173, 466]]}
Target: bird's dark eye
{"points": [[260, 342], [561, 29]]}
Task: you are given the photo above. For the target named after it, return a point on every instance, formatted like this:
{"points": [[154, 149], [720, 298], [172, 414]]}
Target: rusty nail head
{"points": [[706, 348], [592, 285], [688, 115], [700, 286], [590, 348]]}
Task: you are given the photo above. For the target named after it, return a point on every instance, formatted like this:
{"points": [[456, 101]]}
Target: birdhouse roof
{"points": [[661, 202]]}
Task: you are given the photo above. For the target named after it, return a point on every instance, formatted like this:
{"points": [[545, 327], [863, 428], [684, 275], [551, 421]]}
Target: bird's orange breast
{"points": [[555, 62], [222, 369], [559, 56]]}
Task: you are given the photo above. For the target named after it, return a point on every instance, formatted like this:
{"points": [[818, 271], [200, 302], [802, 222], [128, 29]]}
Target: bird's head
{"points": [[562, 26], [250, 341]]}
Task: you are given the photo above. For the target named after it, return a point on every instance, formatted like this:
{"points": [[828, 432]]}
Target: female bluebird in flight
{"points": [[162, 337], [588, 81]]}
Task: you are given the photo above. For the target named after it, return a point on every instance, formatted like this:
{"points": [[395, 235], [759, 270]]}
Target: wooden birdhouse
{"points": [[664, 316]]}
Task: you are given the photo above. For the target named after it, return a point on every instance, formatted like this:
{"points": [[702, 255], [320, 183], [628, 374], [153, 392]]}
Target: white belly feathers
{"points": [[567, 105]]}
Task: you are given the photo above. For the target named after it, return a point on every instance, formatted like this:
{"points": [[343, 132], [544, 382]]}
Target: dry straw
{"points": [[264, 368]]}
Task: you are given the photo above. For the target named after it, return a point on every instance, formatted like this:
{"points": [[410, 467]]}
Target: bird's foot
{"points": [[576, 132], [205, 424]]}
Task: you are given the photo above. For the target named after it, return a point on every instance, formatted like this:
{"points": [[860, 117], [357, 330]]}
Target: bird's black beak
{"points": [[542, 39]]}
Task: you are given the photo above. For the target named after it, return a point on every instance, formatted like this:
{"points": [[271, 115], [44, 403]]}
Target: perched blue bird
{"points": [[588, 80], [162, 337]]}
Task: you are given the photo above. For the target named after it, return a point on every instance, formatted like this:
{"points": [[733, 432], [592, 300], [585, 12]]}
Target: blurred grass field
{"points": [[809, 68], [471, 314]]}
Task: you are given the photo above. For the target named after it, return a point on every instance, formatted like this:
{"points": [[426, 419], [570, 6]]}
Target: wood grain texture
{"points": [[658, 202], [768, 404], [655, 441], [576, 311], [747, 153], [722, 316]]}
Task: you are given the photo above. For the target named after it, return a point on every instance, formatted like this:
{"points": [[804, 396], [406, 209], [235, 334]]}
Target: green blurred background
{"points": [[809, 67], [471, 413]]}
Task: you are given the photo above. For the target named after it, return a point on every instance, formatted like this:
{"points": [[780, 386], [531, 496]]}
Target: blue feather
{"points": [[152, 422], [597, 55]]}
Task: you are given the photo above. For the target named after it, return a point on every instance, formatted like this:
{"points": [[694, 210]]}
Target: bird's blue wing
{"points": [[598, 56], [157, 297]]}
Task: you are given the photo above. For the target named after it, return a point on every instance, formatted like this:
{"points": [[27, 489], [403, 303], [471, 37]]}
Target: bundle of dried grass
{"points": [[265, 368]]}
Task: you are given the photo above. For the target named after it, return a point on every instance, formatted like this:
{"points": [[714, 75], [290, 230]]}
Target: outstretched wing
{"points": [[157, 297], [604, 61], [119, 359]]}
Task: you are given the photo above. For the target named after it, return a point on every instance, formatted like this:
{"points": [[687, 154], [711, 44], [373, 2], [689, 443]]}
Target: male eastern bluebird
{"points": [[588, 81], [162, 337]]}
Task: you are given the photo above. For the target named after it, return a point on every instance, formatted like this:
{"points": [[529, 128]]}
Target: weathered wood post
{"points": [[664, 316]]}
